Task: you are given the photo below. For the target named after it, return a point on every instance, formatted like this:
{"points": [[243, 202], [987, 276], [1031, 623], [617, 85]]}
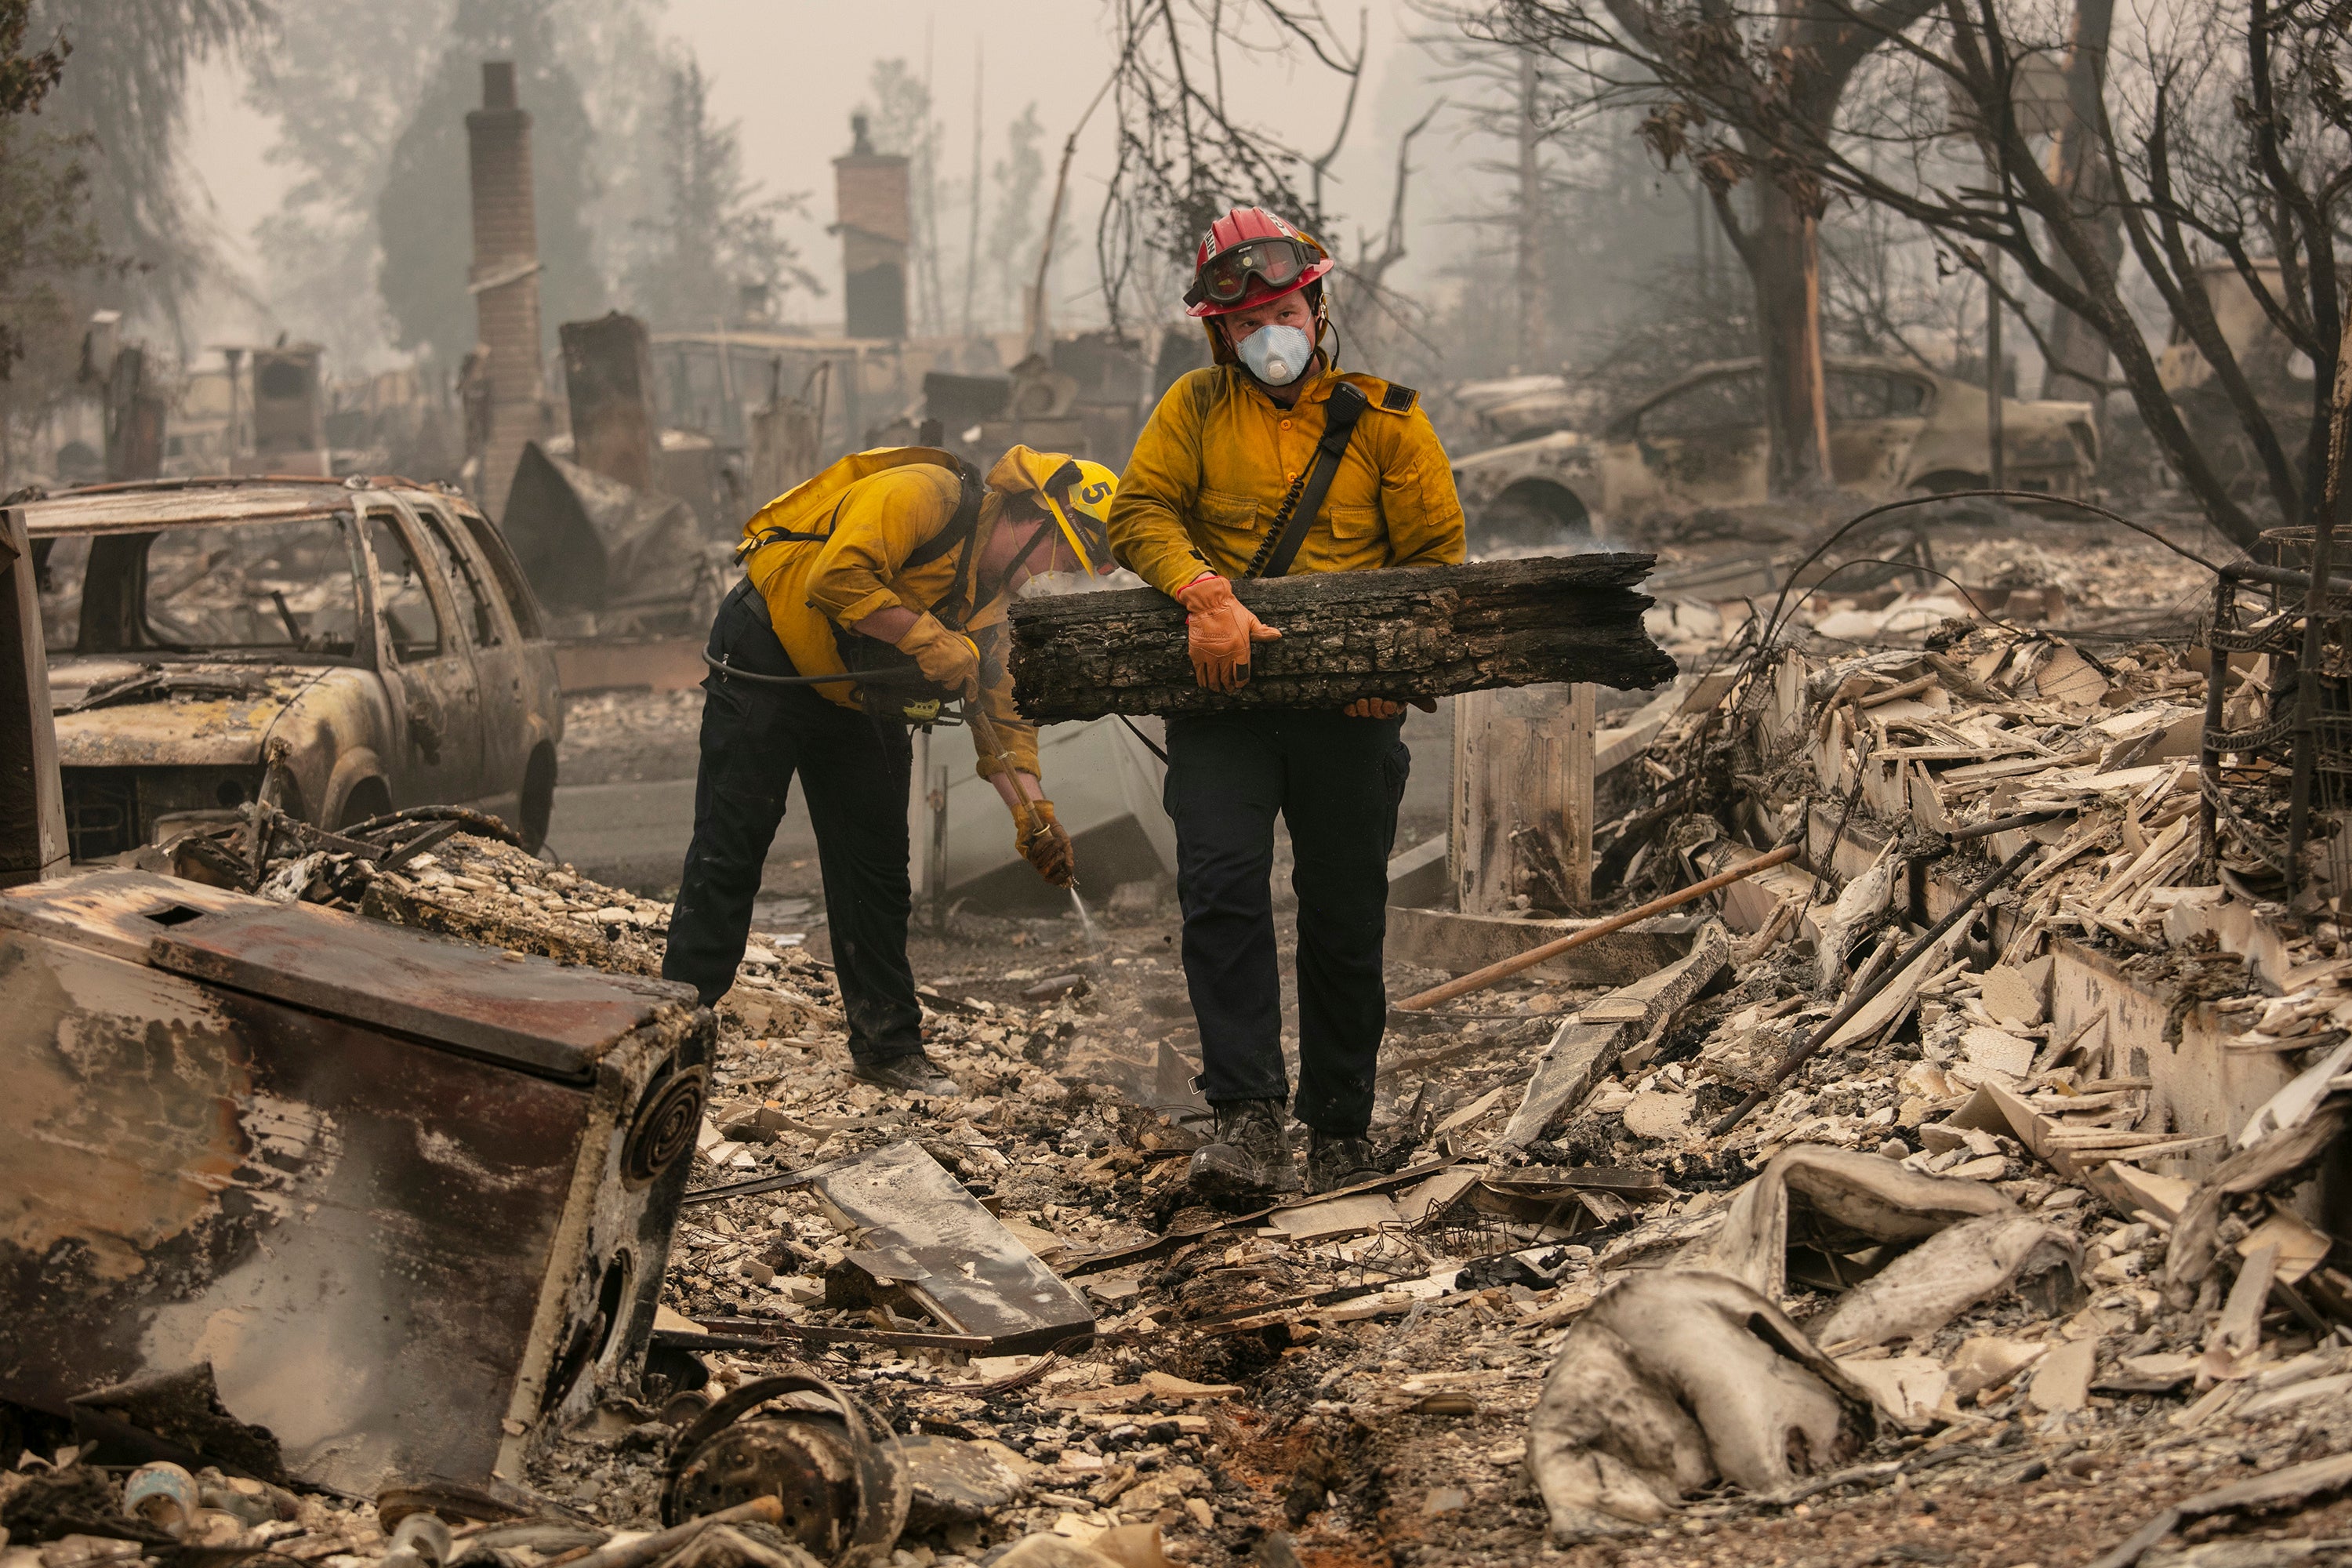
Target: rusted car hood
{"points": [[193, 715]]}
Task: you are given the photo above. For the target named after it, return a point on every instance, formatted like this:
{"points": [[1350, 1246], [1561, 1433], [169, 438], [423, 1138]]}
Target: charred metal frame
{"points": [[409, 1198], [32, 809]]}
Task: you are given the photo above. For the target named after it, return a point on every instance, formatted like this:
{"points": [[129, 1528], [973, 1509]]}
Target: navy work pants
{"points": [[853, 776], [1337, 782]]}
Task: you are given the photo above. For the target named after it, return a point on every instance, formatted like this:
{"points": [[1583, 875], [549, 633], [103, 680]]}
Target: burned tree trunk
{"points": [[1784, 257], [1424, 632]]}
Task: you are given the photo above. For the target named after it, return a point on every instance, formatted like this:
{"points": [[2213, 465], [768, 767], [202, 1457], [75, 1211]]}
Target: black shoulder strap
{"points": [[1305, 501], [961, 526], [767, 536], [960, 532], [966, 518]]}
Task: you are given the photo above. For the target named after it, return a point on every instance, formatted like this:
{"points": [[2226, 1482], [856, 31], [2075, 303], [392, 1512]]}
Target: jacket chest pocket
{"points": [[1352, 522], [1226, 517]]}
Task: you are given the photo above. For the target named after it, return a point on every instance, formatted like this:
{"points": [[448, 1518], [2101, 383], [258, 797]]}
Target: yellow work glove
{"points": [[1044, 844], [1219, 630], [948, 659]]}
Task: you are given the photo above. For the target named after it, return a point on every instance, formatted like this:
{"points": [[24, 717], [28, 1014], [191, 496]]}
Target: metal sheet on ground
{"points": [[981, 1279]]}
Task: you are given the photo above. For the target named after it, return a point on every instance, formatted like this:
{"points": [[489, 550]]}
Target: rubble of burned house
{"points": [[1958, 1188]]}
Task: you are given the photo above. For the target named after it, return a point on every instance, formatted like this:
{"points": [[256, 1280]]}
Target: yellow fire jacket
{"points": [[876, 509], [1217, 456]]}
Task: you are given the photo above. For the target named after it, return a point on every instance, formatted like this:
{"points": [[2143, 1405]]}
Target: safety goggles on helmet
{"points": [[1225, 278]]}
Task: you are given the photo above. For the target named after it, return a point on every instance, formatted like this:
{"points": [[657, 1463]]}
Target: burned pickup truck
{"points": [[338, 649]]}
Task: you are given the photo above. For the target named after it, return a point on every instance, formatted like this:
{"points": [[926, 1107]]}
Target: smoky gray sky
{"points": [[791, 73]]}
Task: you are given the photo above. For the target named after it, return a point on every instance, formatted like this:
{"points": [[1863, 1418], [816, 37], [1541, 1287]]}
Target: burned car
{"points": [[340, 648], [2278, 373], [1701, 442]]}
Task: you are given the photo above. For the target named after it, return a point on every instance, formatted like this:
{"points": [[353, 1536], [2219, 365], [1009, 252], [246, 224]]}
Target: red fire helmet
{"points": [[1249, 257]]}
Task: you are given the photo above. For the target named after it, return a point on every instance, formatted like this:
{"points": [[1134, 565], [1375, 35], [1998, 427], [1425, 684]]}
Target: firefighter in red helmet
{"points": [[1274, 460]]}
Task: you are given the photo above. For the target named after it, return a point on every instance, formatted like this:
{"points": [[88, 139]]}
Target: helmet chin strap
{"points": [[1062, 519], [1038, 536], [1021, 557]]}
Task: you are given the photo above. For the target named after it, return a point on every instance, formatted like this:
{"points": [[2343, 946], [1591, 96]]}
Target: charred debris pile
{"points": [[1961, 1186]]}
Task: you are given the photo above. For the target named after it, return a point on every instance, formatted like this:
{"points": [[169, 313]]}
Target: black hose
{"points": [[864, 677], [1772, 621]]}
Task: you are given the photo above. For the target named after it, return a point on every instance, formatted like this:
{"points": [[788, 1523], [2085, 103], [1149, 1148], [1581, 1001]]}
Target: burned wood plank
{"points": [[1136, 1252], [1588, 1043], [1424, 633], [1625, 1180], [762, 1334], [1461, 944]]}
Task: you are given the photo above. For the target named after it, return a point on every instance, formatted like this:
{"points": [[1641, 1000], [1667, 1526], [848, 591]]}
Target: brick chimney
{"points": [[504, 279], [875, 222]]}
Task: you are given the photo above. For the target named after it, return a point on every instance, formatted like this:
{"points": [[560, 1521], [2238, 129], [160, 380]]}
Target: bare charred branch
{"points": [[1183, 158]]}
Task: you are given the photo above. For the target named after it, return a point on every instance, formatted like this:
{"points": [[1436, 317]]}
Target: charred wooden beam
{"points": [[1425, 632]]}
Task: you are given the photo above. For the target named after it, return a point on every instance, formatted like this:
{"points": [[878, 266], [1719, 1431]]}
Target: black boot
{"points": [[1251, 1156], [1334, 1161], [914, 1073]]}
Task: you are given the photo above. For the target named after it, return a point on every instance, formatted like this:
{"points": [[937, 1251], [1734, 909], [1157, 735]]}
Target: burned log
{"points": [[1424, 632]]}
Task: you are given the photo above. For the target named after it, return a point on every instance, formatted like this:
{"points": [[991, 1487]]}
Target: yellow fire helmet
{"points": [[1074, 492]]}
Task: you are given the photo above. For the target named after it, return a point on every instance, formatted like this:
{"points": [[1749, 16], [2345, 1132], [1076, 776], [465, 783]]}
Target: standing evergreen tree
{"points": [[1017, 177], [125, 103], [719, 234], [341, 78], [615, 50], [46, 238], [422, 219]]}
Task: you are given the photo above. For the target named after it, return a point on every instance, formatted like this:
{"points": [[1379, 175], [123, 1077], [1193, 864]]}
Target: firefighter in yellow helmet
{"points": [[1274, 460], [873, 593]]}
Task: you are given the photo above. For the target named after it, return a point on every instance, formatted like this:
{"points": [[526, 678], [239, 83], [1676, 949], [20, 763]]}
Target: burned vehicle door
{"points": [[428, 668], [497, 655], [1702, 444], [541, 713], [1874, 418]]}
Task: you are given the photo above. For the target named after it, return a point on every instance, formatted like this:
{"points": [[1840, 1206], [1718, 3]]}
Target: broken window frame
{"points": [[359, 654], [521, 607], [1716, 383], [395, 650], [483, 624], [1884, 382]]}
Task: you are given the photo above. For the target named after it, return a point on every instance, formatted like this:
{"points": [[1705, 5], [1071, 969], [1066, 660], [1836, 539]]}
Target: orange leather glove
{"points": [[947, 660], [1046, 845], [1219, 630]]}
